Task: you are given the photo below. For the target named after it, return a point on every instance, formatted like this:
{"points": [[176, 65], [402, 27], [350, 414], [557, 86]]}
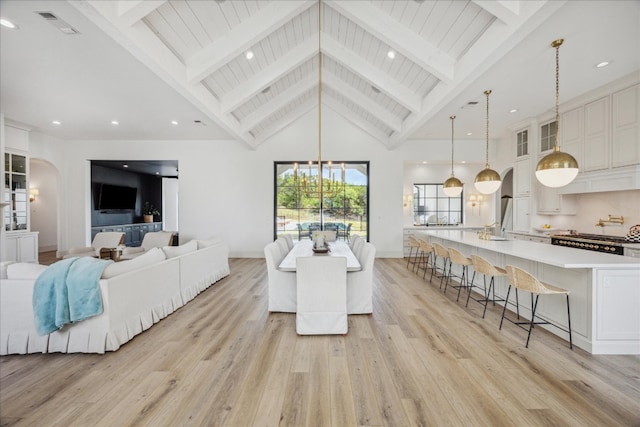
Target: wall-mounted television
{"points": [[117, 197]]}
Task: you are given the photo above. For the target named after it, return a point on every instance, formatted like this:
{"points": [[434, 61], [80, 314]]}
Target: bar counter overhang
{"points": [[605, 288]]}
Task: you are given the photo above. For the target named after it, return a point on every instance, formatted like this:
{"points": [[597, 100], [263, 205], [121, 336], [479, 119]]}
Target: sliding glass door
{"points": [[344, 205]]}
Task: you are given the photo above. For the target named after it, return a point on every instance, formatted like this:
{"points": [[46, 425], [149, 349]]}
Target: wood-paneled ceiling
{"points": [[201, 47]]}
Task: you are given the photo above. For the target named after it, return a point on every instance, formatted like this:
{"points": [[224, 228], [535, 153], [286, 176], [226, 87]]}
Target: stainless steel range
{"points": [[590, 242]]}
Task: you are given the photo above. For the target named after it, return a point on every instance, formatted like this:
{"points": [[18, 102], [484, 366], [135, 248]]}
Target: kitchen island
{"points": [[605, 288]]}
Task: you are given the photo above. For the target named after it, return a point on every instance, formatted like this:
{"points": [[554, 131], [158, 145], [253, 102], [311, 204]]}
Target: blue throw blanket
{"points": [[67, 291]]}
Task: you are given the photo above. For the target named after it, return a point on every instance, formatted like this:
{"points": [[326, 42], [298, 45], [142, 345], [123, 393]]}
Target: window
{"points": [[431, 206], [295, 209], [523, 143], [547, 136]]}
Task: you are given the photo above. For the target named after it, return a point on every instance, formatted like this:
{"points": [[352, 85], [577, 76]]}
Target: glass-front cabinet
{"points": [[16, 192]]}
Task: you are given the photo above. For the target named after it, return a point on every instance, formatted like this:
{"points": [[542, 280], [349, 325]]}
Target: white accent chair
{"points": [[357, 247], [153, 239], [106, 240], [282, 284], [284, 247], [353, 240], [360, 283], [289, 239], [321, 295]]}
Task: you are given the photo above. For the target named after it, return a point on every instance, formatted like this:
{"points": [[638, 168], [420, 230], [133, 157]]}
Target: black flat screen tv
{"points": [[117, 197]]}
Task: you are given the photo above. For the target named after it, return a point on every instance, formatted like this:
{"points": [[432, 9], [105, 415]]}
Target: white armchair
{"points": [[102, 240], [282, 284], [154, 239], [360, 283]]}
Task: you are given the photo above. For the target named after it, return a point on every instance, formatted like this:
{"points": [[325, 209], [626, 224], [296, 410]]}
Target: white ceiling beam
{"points": [[358, 121], [270, 74], [381, 80], [373, 20], [279, 102], [490, 48], [132, 11], [242, 37], [506, 11], [287, 120], [366, 103], [144, 45]]}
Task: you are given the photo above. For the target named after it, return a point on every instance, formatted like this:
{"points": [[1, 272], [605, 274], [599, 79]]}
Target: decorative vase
{"points": [[320, 241], [148, 218]]}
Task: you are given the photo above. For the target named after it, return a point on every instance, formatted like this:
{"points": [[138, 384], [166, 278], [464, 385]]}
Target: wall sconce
{"points": [[408, 200], [475, 199], [33, 192]]}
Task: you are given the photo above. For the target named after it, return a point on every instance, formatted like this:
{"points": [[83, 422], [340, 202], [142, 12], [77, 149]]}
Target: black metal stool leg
{"points": [[505, 307], [533, 315]]}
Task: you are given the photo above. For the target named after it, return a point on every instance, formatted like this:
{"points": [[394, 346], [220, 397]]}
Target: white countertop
{"points": [[558, 256], [443, 227]]}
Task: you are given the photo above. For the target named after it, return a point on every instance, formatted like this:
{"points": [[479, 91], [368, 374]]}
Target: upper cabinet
{"points": [[625, 129], [596, 135]]}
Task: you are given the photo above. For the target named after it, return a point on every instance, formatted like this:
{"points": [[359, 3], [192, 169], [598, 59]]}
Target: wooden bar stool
{"points": [[457, 258], [442, 252], [521, 279], [413, 244], [485, 268], [426, 256]]}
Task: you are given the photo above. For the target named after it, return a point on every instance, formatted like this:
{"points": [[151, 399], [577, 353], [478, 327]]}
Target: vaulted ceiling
{"points": [[154, 60], [202, 46]]}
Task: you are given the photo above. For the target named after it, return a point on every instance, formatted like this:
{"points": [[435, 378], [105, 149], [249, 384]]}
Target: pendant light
{"points": [[452, 186], [487, 181], [557, 169]]}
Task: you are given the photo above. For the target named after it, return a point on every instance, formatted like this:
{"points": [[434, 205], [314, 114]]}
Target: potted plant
{"points": [[149, 211]]}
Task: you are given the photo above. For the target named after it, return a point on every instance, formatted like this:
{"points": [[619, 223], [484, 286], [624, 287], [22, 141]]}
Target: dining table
{"points": [[304, 248]]}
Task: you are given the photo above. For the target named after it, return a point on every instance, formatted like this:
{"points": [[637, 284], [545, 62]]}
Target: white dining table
{"points": [[305, 249]]}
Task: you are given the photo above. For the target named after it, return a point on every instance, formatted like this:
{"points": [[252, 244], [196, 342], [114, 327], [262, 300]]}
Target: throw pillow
{"points": [[25, 270], [174, 251], [150, 257]]}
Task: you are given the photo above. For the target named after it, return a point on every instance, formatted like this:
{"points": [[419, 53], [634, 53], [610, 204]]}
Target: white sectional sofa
{"points": [[135, 295]]}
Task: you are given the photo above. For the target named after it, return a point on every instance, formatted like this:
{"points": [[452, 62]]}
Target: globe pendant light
{"points": [[487, 181], [557, 169], [452, 186]]}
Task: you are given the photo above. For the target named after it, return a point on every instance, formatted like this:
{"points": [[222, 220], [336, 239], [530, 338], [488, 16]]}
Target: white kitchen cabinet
{"points": [[522, 176], [551, 202], [625, 127], [596, 135], [521, 217], [571, 131], [21, 247]]}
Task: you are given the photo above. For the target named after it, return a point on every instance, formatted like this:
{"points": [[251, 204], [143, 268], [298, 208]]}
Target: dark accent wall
{"points": [[149, 189]]}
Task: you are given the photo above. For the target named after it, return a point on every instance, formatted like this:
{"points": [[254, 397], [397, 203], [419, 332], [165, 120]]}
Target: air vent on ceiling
{"points": [[61, 25], [199, 123]]}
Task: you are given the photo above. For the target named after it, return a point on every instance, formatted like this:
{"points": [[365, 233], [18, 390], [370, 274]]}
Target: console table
{"points": [[133, 233]]}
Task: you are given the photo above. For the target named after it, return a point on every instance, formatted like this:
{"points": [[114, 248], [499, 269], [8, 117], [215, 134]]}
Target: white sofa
{"points": [[133, 300]]}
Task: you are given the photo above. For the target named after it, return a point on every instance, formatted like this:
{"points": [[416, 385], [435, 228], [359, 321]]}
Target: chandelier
{"points": [[307, 183], [487, 181], [557, 169], [452, 186]]}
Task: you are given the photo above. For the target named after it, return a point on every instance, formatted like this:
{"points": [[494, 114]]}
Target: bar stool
{"points": [[456, 257], [426, 253], [485, 268], [442, 252], [521, 279], [413, 244]]}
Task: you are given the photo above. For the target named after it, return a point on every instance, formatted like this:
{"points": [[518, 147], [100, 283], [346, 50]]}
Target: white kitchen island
{"points": [[605, 288]]}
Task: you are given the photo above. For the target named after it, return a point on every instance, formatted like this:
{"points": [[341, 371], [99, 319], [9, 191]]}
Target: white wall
{"points": [[44, 209]]}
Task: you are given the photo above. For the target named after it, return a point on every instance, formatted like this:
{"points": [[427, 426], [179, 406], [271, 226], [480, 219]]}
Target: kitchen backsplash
{"points": [[592, 207]]}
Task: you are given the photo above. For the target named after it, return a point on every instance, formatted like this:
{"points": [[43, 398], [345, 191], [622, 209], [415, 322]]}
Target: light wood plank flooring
{"points": [[422, 359]]}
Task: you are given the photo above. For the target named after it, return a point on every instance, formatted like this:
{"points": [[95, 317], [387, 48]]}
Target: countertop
{"points": [[558, 256]]}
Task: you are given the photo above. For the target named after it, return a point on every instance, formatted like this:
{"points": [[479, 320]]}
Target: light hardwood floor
{"points": [[420, 359]]}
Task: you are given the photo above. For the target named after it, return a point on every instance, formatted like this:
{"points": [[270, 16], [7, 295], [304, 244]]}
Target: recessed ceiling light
{"points": [[249, 55], [469, 133], [391, 54], [8, 24], [602, 64], [424, 162], [114, 122], [56, 122], [174, 122], [515, 110], [463, 161]]}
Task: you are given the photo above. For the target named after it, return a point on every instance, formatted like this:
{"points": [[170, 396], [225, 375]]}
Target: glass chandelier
{"points": [[487, 181], [307, 183], [452, 186], [557, 169]]}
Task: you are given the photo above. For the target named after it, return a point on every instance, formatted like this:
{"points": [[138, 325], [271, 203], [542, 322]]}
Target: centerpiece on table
{"points": [[149, 211], [319, 243]]}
